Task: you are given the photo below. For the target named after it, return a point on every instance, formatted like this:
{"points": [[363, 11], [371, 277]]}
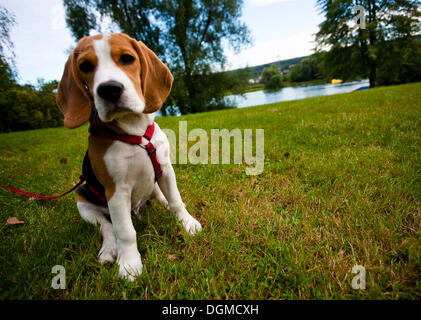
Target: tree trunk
{"points": [[373, 75], [164, 111], [372, 30]]}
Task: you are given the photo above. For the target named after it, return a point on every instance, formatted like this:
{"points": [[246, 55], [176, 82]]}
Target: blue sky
{"points": [[280, 29]]}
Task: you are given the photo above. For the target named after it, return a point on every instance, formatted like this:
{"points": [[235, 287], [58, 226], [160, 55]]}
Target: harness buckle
{"points": [[151, 151]]}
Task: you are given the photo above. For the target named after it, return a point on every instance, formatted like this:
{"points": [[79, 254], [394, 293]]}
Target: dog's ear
{"points": [[72, 97], [156, 78]]}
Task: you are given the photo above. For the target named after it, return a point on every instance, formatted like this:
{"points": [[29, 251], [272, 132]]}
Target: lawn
{"points": [[341, 186]]}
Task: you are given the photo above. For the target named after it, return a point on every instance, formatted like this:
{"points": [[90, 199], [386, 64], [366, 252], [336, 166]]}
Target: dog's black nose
{"points": [[110, 90]]}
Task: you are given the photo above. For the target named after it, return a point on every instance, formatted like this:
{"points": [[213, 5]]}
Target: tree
{"points": [[7, 63], [194, 35], [80, 17], [399, 62], [355, 51], [23, 107], [131, 17], [188, 35], [272, 78], [307, 69]]}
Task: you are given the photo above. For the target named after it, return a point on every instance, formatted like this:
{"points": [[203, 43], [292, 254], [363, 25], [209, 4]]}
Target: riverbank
{"points": [[260, 86], [292, 93]]}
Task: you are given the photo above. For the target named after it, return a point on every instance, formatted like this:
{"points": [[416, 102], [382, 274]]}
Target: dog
{"points": [[117, 84]]}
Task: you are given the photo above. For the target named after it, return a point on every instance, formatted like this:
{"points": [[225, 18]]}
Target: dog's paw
{"points": [[108, 253], [130, 266], [191, 225]]}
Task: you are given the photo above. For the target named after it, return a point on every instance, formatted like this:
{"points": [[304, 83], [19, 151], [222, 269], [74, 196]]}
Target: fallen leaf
{"points": [[172, 257], [14, 220]]}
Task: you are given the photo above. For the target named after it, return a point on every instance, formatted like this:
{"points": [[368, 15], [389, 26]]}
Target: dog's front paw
{"points": [[108, 253], [191, 225], [130, 266]]}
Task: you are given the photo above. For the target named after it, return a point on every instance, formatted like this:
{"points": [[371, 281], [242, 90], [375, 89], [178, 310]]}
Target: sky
{"points": [[280, 29]]}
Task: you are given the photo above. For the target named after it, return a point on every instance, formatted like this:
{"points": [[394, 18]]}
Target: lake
{"points": [[294, 93]]}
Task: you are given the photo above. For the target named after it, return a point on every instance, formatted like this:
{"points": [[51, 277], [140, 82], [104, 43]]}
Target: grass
{"points": [[341, 186]]}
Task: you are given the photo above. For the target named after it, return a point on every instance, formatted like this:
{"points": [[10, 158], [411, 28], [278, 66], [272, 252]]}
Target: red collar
{"points": [[132, 139], [127, 138]]}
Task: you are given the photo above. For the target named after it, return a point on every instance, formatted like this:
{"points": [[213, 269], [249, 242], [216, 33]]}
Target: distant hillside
{"points": [[282, 64]]}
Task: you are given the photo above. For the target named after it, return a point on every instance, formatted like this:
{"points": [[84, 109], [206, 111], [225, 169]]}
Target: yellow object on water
{"points": [[335, 81]]}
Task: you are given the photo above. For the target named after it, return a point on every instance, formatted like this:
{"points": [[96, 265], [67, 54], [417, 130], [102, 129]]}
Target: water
{"points": [[293, 93]]}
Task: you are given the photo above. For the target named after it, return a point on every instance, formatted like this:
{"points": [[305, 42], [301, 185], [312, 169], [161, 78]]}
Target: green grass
{"points": [[347, 194]]}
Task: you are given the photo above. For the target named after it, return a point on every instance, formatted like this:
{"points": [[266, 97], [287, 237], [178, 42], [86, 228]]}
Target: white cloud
{"points": [[291, 46], [58, 20], [264, 2]]}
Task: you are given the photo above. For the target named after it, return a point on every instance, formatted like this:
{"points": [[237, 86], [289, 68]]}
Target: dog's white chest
{"points": [[131, 169]]}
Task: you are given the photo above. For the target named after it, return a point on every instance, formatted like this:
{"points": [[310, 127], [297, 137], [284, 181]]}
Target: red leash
{"points": [[41, 197], [131, 139]]}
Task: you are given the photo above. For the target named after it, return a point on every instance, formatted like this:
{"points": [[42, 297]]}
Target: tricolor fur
{"points": [[116, 82]]}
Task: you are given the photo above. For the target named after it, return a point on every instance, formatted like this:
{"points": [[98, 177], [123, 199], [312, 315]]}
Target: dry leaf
{"points": [[172, 257], [14, 220]]}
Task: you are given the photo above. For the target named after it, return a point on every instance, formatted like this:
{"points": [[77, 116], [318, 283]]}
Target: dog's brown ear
{"points": [[72, 97], [156, 78]]}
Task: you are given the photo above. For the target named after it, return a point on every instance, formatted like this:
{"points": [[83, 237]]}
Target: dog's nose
{"points": [[110, 90]]}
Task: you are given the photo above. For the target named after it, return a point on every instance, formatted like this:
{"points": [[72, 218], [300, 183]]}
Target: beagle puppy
{"points": [[117, 84]]}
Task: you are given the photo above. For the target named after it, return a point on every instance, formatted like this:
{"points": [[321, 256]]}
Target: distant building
{"points": [[256, 80]]}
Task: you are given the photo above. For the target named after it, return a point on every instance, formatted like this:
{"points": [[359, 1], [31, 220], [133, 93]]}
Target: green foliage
{"points": [[256, 71], [400, 62], [80, 18], [23, 107], [193, 36], [272, 78], [26, 107], [130, 17], [307, 69], [210, 87], [356, 52], [6, 75], [238, 80], [188, 35]]}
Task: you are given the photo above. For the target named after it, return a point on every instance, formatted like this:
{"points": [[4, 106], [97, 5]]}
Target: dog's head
{"points": [[116, 74]]}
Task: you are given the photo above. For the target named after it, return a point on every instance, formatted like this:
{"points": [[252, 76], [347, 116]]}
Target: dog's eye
{"points": [[86, 67], [126, 59]]}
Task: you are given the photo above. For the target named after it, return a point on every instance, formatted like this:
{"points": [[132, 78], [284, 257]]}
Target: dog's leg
{"points": [[158, 195], [95, 215], [168, 185], [128, 255]]}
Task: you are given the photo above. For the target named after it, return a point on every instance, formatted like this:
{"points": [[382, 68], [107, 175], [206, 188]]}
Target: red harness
{"points": [[131, 139]]}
